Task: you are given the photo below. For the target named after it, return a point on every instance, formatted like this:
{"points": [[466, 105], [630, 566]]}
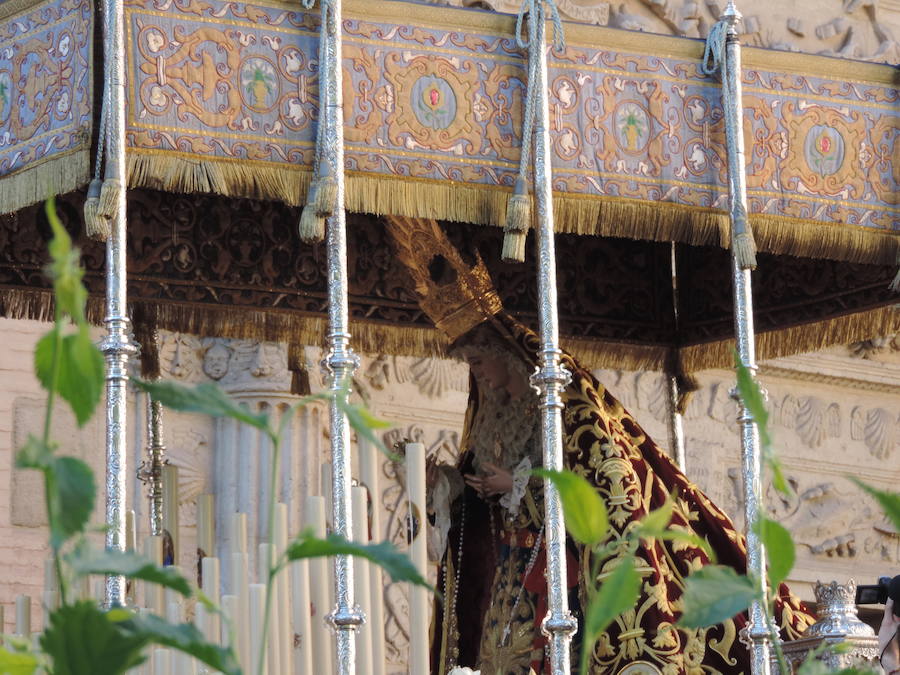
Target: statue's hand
{"points": [[497, 481]]}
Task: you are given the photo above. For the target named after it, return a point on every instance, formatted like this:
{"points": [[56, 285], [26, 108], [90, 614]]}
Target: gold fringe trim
{"points": [[36, 182], [28, 305], [801, 339], [377, 338], [293, 327], [487, 205], [616, 355], [254, 180]]}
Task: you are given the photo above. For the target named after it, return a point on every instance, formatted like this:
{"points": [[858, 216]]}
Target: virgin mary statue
{"points": [[488, 509]]}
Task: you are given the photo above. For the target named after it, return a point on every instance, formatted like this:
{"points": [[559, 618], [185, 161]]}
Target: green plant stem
{"points": [[776, 641], [48, 417], [271, 569]]}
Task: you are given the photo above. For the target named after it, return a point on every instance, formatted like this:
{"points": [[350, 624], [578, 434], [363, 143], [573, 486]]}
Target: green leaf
{"points": [[889, 501], [35, 454], [779, 550], [17, 663], [207, 399], [689, 538], [82, 374], [183, 636], [365, 423], [70, 483], [80, 370], [753, 399], [65, 269], [583, 508], [383, 554], [81, 640], [655, 523], [91, 561], [617, 594], [43, 357], [714, 594]]}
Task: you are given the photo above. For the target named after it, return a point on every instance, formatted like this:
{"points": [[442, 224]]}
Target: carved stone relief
{"points": [[812, 419], [871, 349], [877, 428], [854, 29], [432, 377]]}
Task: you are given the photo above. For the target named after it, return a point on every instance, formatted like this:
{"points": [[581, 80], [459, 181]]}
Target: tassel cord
{"points": [[324, 70], [715, 60], [535, 9], [714, 51]]}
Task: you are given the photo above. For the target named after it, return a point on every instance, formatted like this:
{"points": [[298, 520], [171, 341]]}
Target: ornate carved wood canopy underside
{"points": [[235, 267]]}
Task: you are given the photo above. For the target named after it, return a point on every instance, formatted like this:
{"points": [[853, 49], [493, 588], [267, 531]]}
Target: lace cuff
{"points": [[520, 477]]}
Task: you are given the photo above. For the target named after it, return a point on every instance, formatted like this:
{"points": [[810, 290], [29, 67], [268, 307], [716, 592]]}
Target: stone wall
{"points": [[855, 29]]}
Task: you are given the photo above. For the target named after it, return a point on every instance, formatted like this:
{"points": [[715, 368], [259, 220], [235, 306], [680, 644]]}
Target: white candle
{"points": [[303, 661], [153, 594], [161, 664], [257, 612], [359, 497], [239, 533], [130, 546], [173, 602], [206, 531], [273, 644], [229, 629], [239, 586], [369, 460], [327, 490], [211, 586], [282, 595], [49, 602], [419, 614], [320, 584], [23, 616], [240, 578], [170, 508]]}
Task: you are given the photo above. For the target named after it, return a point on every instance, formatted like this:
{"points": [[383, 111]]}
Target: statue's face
{"points": [[489, 370], [215, 364]]}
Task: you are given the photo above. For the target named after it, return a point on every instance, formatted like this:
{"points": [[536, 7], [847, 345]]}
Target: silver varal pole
{"points": [[117, 346], [751, 465], [551, 378], [676, 419], [340, 361], [676, 425], [156, 450]]}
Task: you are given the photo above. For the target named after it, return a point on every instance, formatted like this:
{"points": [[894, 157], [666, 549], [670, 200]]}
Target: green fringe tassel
{"points": [[744, 247], [312, 225], [109, 198], [518, 221], [95, 227], [326, 195]]}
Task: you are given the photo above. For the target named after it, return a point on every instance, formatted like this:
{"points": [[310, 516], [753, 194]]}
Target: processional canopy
{"points": [[223, 100]]}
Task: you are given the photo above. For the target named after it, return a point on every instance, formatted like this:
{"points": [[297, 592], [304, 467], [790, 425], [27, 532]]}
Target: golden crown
{"points": [[456, 296]]}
